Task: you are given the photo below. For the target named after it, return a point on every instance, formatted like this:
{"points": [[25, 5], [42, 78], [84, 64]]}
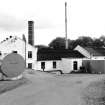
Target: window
{"points": [[43, 65], [14, 51], [75, 65], [29, 65], [29, 54], [54, 64]]}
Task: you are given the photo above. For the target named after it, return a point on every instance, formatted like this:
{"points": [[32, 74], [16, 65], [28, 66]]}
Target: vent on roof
{"points": [[6, 38], [10, 36]]}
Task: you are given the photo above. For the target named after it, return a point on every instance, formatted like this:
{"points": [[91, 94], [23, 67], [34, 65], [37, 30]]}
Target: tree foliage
{"points": [[98, 43], [59, 43]]}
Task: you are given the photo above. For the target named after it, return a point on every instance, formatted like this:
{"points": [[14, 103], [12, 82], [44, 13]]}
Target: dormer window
{"points": [[14, 51]]}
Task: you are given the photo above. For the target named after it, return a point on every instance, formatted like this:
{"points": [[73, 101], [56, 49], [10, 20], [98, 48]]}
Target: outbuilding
{"points": [[95, 61], [49, 59]]}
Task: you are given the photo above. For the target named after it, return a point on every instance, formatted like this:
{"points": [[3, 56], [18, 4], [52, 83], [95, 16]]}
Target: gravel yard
{"points": [[50, 89]]}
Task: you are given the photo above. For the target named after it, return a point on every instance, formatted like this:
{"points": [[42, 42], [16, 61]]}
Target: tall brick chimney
{"points": [[31, 32]]}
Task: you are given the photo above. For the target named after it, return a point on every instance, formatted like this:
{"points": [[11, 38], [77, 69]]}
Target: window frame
{"points": [[29, 54]]}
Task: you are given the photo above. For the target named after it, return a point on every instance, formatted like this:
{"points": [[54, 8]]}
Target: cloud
{"points": [[10, 23], [44, 24]]}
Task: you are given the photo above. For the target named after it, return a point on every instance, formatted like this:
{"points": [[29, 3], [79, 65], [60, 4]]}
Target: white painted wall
{"points": [[18, 45], [6, 47], [98, 58], [67, 64], [48, 65]]}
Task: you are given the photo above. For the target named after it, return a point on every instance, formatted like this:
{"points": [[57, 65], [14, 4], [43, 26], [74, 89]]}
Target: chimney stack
{"points": [[66, 39], [31, 32]]}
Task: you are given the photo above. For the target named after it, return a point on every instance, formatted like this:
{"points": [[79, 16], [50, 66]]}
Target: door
{"points": [[29, 65], [43, 65], [75, 65]]}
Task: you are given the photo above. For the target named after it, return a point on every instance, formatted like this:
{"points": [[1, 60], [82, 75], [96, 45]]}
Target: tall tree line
{"points": [[59, 42]]}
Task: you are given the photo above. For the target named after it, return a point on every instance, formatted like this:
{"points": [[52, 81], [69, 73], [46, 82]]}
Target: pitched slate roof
{"points": [[52, 54], [96, 51]]}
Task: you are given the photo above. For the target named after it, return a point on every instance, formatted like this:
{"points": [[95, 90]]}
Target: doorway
{"points": [[29, 65], [75, 65], [43, 65]]}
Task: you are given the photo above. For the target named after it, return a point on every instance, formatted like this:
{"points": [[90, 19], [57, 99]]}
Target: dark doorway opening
{"points": [[75, 65], [43, 65], [29, 65]]}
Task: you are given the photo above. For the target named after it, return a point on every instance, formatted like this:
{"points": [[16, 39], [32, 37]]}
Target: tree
{"points": [[82, 41], [102, 39], [85, 41], [58, 43], [98, 43]]}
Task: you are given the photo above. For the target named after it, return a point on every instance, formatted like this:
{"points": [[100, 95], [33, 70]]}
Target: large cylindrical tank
{"points": [[13, 65]]}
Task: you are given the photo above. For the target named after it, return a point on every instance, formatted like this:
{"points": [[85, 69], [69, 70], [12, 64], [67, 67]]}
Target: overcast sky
{"points": [[85, 18]]}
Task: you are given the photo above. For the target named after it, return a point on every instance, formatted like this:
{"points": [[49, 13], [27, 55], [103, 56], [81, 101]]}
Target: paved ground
{"points": [[47, 89]]}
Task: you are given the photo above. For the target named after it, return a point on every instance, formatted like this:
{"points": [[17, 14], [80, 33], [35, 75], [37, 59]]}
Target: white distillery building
{"points": [[44, 59], [14, 44], [66, 60]]}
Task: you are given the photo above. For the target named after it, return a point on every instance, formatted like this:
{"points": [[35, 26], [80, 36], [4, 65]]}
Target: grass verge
{"points": [[10, 85]]}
